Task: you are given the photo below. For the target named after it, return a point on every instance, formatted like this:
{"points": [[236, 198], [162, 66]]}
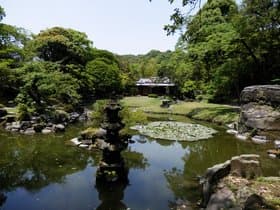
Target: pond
{"points": [[43, 172]]}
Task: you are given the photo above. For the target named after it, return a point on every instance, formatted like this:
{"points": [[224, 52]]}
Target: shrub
{"points": [[189, 89], [98, 111], [60, 116], [23, 114], [89, 133], [130, 118]]}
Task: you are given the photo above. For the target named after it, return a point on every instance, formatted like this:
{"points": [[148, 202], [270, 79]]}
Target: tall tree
{"points": [[209, 41], [12, 40], [259, 27], [66, 46]]}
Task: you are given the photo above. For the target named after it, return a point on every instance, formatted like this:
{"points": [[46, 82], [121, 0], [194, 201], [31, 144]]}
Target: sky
{"points": [[120, 26]]}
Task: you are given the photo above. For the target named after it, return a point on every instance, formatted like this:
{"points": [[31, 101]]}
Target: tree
{"points": [[259, 27], [210, 42], [44, 86], [2, 13], [104, 77], [66, 46], [12, 40]]}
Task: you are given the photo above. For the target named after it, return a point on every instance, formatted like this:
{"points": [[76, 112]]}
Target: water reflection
{"points": [[61, 176], [3, 198], [198, 156], [33, 165], [111, 194]]}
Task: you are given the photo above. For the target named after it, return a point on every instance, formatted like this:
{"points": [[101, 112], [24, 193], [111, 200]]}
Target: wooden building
{"points": [[155, 85]]}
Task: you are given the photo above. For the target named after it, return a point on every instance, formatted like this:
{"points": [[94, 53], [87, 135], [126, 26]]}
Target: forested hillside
{"points": [[223, 48]]}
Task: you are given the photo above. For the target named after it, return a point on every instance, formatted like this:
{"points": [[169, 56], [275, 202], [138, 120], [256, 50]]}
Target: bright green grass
{"points": [[197, 110]]}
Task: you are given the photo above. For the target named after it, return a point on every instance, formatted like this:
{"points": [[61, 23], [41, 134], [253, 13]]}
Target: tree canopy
{"points": [[222, 48], [62, 45]]}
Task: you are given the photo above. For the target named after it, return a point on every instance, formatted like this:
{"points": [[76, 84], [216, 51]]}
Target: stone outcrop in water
{"points": [[43, 123], [233, 185], [260, 109], [246, 166]]}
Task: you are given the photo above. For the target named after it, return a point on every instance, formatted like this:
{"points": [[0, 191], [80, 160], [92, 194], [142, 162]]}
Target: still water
{"points": [[43, 172]]}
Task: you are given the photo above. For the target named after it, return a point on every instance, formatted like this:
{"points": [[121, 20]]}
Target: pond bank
{"points": [[216, 113], [238, 184]]}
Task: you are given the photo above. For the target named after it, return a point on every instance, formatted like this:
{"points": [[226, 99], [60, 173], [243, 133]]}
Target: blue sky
{"points": [[121, 26]]}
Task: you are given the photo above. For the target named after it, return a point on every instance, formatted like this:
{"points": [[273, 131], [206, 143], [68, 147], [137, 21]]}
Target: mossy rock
{"points": [[60, 116], [93, 133]]}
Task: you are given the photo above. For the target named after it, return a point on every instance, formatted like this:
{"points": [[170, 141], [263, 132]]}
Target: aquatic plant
{"points": [[175, 131]]}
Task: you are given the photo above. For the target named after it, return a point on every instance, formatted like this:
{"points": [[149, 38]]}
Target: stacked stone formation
{"points": [[112, 166]]}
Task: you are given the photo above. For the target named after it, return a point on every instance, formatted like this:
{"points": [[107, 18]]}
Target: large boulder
{"points": [[268, 94], [246, 166], [93, 133], [211, 178], [60, 116], [260, 109], [59, 128]]}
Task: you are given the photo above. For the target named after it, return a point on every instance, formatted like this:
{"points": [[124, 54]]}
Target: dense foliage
{"points": [[12, 40], [222, 48], [56, 69]]}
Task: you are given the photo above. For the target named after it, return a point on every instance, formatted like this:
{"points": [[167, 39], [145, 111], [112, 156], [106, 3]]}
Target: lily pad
{"points": [[175, 131]]}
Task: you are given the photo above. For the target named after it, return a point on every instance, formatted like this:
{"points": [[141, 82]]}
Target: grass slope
{"points": [[216, 113]]}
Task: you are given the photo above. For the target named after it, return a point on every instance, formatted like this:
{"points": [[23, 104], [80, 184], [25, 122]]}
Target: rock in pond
{"points": [[29, 131], [242, 137], [59, 128], [260, 109], [175, 131], [16, 125], [75, 141], [83, 146], [232, 131], [259, 139], [211, 178], [38, 127], [274, 153], [47, 130], [246, 165], [277, 144]]}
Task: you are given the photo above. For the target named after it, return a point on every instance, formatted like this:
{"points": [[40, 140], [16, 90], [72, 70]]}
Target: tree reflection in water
{"points": [[3, 198], [112, 173], [33, 164], [111, 193]]}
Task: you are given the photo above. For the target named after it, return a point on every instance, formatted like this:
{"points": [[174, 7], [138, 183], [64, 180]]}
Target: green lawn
{"points": [[217, 113]]}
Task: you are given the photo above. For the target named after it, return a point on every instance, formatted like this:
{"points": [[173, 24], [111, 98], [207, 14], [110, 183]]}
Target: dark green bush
{"points": [[23, 114]]}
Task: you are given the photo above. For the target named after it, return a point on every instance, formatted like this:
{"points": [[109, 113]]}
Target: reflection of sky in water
{"points": [[148, 189], [76, 192]]}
